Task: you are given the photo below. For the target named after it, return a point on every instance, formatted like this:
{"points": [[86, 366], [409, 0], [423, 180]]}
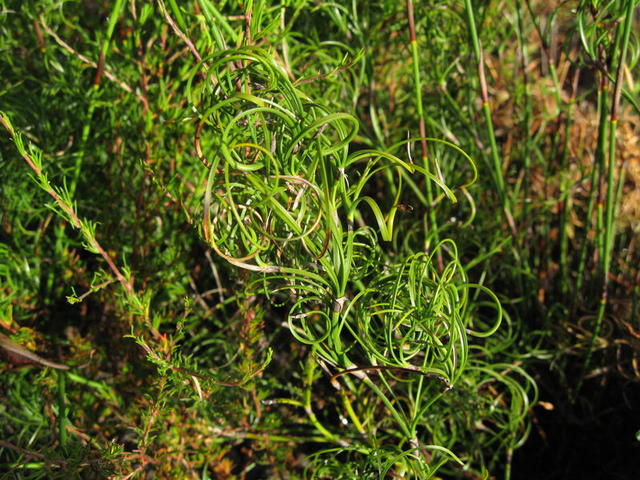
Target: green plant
{"points": [[313, 239]]}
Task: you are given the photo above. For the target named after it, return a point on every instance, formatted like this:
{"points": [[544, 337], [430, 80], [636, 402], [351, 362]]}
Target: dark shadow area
{"points": [[593, 439]]}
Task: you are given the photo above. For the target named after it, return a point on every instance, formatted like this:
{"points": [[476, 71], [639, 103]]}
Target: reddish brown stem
{"points": [[75, 220]]}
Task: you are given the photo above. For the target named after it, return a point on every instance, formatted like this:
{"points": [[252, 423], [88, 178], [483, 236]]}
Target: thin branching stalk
{"points": [[65, 204]]}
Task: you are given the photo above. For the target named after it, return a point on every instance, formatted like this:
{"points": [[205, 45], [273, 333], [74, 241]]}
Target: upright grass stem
{"points": [[565, 202], [62, 419], [609, 215], [116, 11], [486, 107], [522, 256], [594, 181], [415, 54]]}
